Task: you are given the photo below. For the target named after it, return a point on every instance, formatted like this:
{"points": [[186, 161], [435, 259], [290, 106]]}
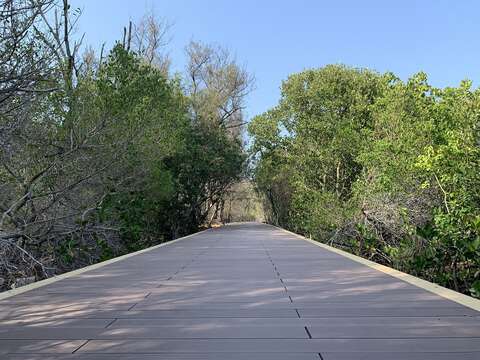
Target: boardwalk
{"points": [[245, 291]]}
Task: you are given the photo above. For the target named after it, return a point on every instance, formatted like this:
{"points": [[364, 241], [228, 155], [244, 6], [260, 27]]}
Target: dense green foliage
{"points": [[383, 168], [102, 155]]}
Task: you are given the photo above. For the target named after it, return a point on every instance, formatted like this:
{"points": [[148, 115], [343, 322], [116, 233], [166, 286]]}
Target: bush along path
{"points": [[383, 168]]}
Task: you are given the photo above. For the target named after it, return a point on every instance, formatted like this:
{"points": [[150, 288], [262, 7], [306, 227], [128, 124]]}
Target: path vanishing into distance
{"points": [[243, 291]]}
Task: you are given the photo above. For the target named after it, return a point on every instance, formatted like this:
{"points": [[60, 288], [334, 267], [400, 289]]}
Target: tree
{"points": [[217, 86], [383, 168], [150, 36], [210, 164], [100, 155], [323, 115]]}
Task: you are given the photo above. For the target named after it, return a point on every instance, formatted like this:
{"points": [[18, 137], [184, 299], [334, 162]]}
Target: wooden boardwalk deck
{"points": [[246, 291]]}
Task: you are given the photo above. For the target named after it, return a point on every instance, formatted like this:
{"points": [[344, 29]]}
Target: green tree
{"points": [[384, 168]]}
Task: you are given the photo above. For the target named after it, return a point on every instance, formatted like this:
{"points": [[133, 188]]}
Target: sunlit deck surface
{"points": [[246, 291]]}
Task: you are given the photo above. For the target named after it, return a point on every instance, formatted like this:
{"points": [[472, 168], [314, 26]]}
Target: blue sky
{"points": [[274, 38]]}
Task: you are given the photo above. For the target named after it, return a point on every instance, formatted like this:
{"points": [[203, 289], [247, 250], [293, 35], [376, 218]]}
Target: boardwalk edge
{"points": [[452, 295], [9, 293]]}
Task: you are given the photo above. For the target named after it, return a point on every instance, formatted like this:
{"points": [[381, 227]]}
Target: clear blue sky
{"points": [[274, 38]]}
